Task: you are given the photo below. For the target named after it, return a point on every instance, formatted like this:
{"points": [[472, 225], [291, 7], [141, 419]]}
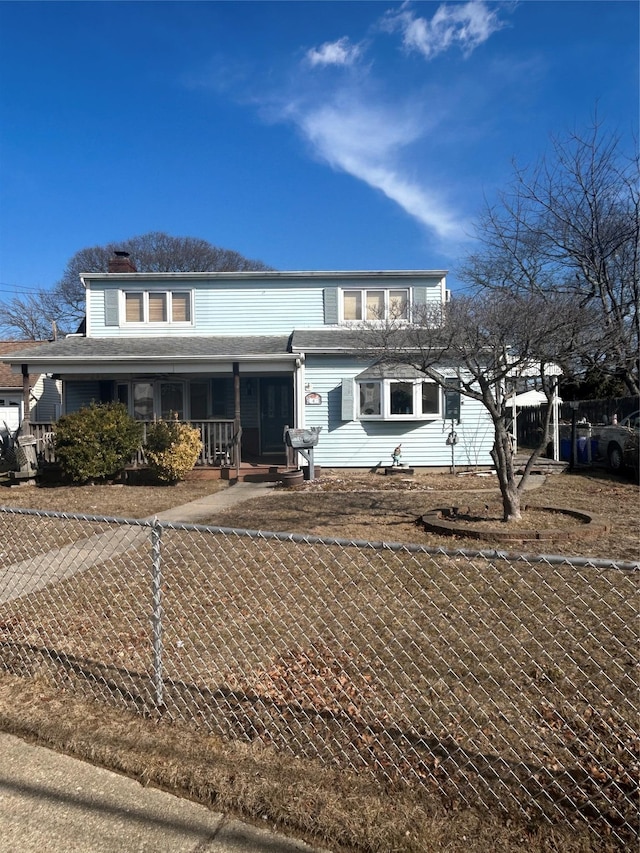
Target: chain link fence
{"points": [[499, 682]]}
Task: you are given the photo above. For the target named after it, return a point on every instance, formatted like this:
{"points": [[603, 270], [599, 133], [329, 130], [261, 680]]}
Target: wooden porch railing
{"points": [[220, 444]]}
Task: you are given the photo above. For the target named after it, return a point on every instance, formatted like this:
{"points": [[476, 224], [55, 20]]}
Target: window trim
{"points": [[363, 293], [168, 298], [385, 400]]}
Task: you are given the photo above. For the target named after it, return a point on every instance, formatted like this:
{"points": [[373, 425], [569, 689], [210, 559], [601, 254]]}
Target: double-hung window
{"points": [[157, 307], [375, 304]]}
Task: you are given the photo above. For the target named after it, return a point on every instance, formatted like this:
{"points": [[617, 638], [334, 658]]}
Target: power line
{"points": [[22, 288]]}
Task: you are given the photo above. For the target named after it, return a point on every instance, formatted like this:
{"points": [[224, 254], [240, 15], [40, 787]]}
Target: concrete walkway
{"points": [[54, 803], [196, 511], [53, 566]]}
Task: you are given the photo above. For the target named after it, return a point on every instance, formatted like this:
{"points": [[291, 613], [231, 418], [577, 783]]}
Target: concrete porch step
{"points": [[542, 465]]}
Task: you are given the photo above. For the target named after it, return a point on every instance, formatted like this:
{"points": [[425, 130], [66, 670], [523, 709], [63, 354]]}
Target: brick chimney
{"points": [[121, 262]]}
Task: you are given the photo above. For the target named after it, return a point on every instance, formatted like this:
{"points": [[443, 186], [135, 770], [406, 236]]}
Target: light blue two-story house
{"points": [[242, 355]]}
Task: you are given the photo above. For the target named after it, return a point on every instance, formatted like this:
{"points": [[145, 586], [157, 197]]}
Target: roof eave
{"points": [[248, 275], [68, 361]]}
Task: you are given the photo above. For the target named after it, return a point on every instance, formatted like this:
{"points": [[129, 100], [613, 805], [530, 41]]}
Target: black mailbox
{"points": [[300, 439]]}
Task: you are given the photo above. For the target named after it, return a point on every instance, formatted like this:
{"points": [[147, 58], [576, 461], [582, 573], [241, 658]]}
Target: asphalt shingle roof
{"points": [[154, 347]]}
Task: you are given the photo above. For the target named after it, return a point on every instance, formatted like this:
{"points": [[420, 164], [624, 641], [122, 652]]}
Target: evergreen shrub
{"points": [[172, 449], [96, 442]]}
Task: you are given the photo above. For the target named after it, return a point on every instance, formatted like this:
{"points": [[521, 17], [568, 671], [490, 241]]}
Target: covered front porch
{"points": [[240, 393], [240, 418]]}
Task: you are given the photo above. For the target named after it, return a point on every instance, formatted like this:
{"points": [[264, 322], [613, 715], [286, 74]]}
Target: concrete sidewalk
{"points": [[58, 804]]}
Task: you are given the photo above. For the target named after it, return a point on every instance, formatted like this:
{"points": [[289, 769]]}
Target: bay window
{"points": [[401, 399]]}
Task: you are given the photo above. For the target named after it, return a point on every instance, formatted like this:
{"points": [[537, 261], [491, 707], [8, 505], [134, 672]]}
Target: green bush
{"points": [[95, 443], [172, 449]]}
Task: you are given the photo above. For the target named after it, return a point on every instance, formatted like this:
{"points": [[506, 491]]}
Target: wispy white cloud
{"points": [[360, 123], [367, 142], [340, 52], [466, 25]]}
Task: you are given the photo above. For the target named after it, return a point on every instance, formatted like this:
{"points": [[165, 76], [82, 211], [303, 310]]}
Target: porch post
{"points": [[26, 401], [236, 414], [556, 426]]}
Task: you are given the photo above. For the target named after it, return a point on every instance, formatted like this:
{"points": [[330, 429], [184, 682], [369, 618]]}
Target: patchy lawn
{"points": [[113, 500], [338, 808], [373, 507], [377, 508]]}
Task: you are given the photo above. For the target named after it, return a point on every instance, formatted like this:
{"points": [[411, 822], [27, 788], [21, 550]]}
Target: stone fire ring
{"points": [[441, 521]]}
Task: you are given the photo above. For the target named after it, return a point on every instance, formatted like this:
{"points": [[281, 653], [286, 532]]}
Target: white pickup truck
{"points": [[618, 443]]}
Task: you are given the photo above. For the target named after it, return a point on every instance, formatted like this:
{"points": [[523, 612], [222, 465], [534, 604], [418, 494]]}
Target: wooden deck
{"points": [[250, 472]]}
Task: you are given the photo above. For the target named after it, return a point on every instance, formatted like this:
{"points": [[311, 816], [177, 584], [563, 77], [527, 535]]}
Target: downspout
{"points": [[299, 393], [556, 426]]}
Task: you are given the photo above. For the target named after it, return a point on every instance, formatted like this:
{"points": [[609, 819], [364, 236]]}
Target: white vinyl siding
{"points": [[244, 310]]}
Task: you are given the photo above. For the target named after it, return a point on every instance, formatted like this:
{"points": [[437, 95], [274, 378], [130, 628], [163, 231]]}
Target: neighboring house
{"points": [[43, 393], [262, 350]]}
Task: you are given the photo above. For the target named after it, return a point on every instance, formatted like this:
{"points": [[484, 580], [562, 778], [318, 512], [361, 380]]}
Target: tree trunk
{"points": [[502, 455]]}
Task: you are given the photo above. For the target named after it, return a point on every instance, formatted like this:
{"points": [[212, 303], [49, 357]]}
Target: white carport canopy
{"points": [[533, 398]]}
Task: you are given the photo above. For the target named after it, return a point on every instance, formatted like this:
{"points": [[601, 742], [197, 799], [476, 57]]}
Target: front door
{"points": [[276, 412]]}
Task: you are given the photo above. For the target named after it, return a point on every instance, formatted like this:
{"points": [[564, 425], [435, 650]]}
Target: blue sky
{"points": [[309, 135]]}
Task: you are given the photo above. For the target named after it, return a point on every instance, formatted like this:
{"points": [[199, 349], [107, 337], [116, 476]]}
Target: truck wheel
{"points": [[615, 457]]}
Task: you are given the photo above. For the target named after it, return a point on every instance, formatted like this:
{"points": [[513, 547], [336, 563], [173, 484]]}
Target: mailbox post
{"points": [[452, 413], [303, 441]]}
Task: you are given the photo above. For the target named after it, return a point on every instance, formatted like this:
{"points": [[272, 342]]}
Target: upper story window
{"points": [[375, 304], [173, 306]]}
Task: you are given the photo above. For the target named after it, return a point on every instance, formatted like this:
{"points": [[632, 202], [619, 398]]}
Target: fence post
{"points": [[156, 619]]}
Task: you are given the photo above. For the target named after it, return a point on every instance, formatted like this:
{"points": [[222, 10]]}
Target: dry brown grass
{"points": [[333, 807], [114, 500], [340, 810], [373, 507]]}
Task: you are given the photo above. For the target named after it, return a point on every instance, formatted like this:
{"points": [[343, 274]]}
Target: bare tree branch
{"points": [[570, 225]]}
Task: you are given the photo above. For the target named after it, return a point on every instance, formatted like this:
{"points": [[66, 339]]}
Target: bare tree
{"points": [[34, 317], [153, 252], [570, 226], [486, 342]]}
